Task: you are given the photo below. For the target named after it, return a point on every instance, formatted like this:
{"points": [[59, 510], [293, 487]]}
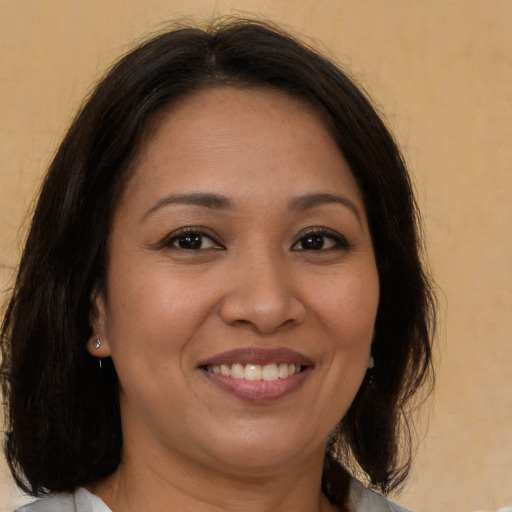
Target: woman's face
{"points": [[242, 288]]}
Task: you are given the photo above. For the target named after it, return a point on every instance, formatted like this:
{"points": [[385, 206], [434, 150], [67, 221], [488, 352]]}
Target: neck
{"points": [[149, 483]]}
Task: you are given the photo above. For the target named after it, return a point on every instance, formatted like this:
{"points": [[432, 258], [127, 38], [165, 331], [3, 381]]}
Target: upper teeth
{"points": [[255, 371]]}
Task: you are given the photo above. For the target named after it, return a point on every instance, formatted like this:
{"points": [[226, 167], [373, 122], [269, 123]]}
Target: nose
{"points": [[261, 295]]}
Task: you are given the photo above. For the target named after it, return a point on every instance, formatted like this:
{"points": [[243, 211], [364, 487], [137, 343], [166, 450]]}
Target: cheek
{"points": [[347, 312], [150, 325], [153, 295], [156, 317], [351, 312], [348, 305]]}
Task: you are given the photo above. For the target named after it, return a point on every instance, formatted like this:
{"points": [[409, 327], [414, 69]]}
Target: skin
{"points": [[269, 270]]}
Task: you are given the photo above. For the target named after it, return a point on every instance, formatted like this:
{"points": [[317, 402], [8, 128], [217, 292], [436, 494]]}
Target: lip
{"points": [[261, 391], [257, 356]]}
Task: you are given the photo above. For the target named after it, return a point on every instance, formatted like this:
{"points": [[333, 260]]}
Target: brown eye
{"points": [[312, 242], [321, 241], [192, 241]]}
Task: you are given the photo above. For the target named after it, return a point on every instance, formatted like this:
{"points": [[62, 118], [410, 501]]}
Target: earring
{"points": [[371, 363], [96, 343]]}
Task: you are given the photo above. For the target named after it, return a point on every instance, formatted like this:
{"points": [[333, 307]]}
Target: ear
{"points": [[98, 345]]}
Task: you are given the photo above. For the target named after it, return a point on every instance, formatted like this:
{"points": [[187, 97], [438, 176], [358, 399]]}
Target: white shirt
{"points": [[360, 500]]}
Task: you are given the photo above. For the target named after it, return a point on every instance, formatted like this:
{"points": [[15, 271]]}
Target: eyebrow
{"points": [[308, 201], [220, 202], [210, 201]]}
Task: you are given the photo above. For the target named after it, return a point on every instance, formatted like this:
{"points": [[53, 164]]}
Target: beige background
{"points": [[442, 71]]}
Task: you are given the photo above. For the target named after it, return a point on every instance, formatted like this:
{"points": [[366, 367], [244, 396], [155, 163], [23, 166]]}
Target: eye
{"points": [[192, 240], [321, 241]]}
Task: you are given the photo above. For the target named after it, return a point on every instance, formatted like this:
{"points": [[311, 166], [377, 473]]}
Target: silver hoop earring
{"points": [[97, 343]]}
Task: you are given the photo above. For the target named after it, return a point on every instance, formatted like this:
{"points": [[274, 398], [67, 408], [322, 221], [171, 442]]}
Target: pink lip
{"points": [[258, 356], [260, 391]]}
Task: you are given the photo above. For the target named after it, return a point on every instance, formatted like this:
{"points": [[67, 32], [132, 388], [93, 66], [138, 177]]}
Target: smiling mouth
{"points": [[258, 375], [254, 372]]}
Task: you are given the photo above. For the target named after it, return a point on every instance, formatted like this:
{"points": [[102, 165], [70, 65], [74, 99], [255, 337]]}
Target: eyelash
{"points": [[340, 242], [197, 236], [172, 241]]}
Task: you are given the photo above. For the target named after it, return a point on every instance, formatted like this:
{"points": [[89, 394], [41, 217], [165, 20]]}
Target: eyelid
{"points": [[341, 241], [167, 242]]}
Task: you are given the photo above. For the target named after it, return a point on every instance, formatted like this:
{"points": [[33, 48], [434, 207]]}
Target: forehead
{"points": [[227, 107], [238, 139]]}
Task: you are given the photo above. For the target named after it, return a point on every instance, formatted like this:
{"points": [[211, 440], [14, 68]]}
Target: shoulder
{"points": [[364, 500], [79, 501], [57, 502]]}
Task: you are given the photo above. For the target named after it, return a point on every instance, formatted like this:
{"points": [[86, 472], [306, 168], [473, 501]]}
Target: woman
{"points": [[221, 301]]}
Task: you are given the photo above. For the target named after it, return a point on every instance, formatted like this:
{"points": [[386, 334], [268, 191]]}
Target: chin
{"points": [[266, 451]]}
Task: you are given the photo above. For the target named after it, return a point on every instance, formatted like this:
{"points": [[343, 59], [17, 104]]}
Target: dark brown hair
{"points": [[64, 426]]}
